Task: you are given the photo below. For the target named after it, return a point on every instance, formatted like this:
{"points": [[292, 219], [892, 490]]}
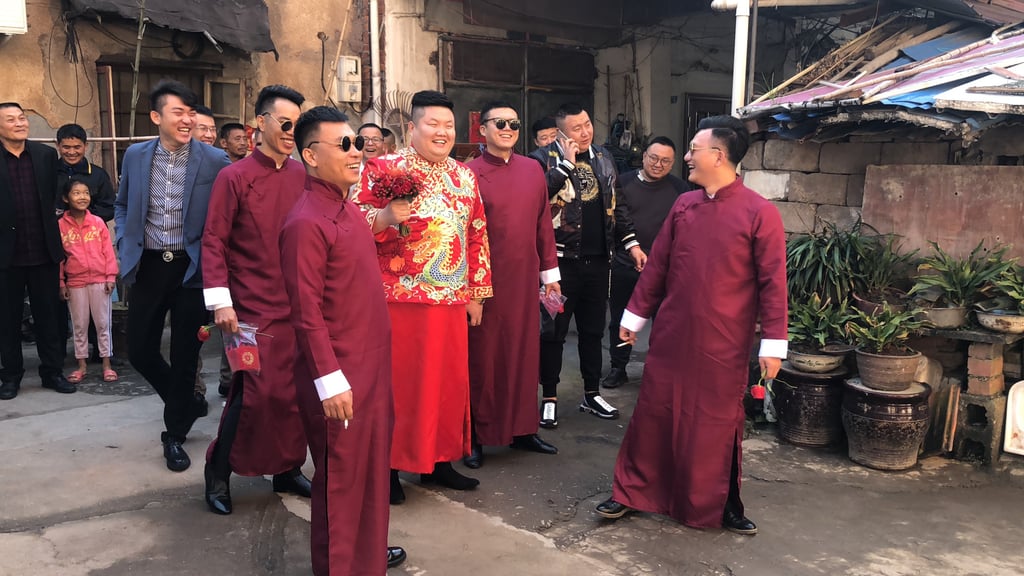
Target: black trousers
{"points": [[158, 290], [220, 457], [585, 285], [43, 285], [624, 279]]}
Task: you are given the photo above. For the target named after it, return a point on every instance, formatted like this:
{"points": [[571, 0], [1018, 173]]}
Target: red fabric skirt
{"points": [[430, 379]]}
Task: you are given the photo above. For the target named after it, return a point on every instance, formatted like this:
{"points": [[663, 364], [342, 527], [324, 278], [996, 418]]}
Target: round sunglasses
{"points": [[345, 144]]}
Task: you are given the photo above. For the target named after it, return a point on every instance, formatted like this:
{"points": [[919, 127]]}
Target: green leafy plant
{"points": [[1010, 285], [881, 267], [817, 323], [885, 332], [824, 262], [960, 281]]}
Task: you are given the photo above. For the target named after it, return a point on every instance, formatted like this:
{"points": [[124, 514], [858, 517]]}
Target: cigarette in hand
{"points": [[346, 424], [620, 345]]}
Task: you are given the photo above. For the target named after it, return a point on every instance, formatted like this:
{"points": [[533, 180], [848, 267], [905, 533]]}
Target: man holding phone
{"points": [[580, 179]]}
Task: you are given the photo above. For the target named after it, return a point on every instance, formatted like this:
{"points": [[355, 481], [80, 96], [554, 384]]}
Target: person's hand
{"points": [[397, 211], [65, 293], [769, 367], [627, 335], [108, 288], [475, 311], [339, 406], [639, 258], [571, 149], [552, 287], [226, 320]]}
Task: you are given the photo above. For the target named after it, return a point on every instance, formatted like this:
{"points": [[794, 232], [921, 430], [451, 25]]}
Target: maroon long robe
{"points": [[341, 324], [248, 205], [715, 266], [504, 351]]}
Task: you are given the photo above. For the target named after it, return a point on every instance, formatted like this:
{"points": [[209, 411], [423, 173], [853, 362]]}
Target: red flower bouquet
{"points": [[389, 182]]}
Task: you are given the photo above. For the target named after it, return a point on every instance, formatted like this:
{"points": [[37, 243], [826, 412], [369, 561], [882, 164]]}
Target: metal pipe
{"points": [[375, 60], [739, 65], [730, 5]]}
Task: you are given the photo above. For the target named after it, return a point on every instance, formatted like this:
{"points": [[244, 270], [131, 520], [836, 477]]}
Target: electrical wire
{"points": [[72, 49]]}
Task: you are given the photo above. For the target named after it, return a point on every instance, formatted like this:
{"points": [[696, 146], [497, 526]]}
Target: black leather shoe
{"points": [[177, 458], [612, 510], [397, 493], [59, 384], [614, 378], [222, 390], [200, 405], [218, 493], [293, 482], [475, 458], [9, 390], [446, 476], [739, 524], [532, 443], [396, 555]]}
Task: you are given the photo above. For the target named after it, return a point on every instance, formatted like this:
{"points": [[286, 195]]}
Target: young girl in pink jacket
{"points": [[87, 276]]}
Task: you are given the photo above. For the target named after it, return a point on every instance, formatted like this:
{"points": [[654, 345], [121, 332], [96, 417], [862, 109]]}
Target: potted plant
{"points": [[824, 262], [950, 284], [1005, 313], [884, 360], [817, 334], [881, 267]]}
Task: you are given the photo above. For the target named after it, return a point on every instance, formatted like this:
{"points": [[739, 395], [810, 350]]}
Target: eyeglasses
{"points": [[659, 161], [372, 139], [345, 144], [500, 123], [696, 149], [286, 126]]}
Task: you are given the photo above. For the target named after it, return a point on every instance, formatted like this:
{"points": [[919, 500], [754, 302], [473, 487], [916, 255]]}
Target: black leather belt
{"points": [[166, 255]]}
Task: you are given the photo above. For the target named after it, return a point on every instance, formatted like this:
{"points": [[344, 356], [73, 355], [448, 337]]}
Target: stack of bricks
{"points": [[982, 408]]}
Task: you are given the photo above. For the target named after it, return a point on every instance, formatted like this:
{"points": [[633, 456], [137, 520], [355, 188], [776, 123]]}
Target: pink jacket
{"points": [[90, 253]]}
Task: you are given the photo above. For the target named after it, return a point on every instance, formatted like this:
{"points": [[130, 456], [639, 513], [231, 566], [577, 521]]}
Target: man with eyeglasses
{"points": [[642, 200], [373, 141], [261, 431], [437, 273], [504, 350], [160, 212], [717, 266], [205, 128], [580, 179], [343, 371]]}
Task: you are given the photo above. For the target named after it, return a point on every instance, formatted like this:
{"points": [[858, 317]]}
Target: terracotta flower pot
{"points": [[886, 372]]}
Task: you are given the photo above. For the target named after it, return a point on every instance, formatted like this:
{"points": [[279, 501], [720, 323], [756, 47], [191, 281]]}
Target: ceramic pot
{"points": [[814, 363], [944, 318], [884, 430], [885, 372], [1001, 322]]}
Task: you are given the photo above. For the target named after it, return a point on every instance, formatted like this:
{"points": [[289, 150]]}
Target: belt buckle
{"points": [[167, 256]]}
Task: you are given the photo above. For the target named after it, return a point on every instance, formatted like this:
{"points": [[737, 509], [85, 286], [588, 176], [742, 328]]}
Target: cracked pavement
{"points": [[84, 491]]}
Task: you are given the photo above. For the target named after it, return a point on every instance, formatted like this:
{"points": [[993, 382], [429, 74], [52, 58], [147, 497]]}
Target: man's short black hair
{"points": [[370, 125], [386, 132], [270, 94], [729, 131], [308, 126], [11, 105], [663, 140], [569, 109], [226, 129], [167, 88], [69, 131], [200, 109], [542, 124], [427, 98], [491, 106]]}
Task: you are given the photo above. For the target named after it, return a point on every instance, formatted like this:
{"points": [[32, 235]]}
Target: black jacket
{"points": [[641, 207], [44, 165], [100, 188], [567, 215]]}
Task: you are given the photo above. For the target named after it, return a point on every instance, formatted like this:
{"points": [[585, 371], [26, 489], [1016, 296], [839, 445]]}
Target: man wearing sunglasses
{"points": [[436, 276], [580, 179], [717, 266], [642, 200], [504, 351], [261, 431]]}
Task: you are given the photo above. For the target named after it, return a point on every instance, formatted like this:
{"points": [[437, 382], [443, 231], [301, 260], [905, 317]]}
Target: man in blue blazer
{"points": [[160, 212]]}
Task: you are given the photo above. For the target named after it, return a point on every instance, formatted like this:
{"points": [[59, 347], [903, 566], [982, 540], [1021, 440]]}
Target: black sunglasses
{"points": [[286, 126], [500, 123], [345, 144]]}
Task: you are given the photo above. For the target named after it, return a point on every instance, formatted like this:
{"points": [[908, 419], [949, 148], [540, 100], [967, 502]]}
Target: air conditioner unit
{"points": [[13, 19], [350, 79]]}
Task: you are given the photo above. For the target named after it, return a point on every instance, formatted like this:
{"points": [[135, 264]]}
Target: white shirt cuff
{"points": [[632, 322], [217, 298], [549, 276], [773, 348], [331, 384], [630, 244]]}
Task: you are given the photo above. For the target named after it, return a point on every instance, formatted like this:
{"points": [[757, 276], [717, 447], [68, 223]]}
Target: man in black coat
{"points": [[30, 253], [71, 145]]}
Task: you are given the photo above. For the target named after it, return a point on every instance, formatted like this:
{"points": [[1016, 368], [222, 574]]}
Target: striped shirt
{"points": [[165, 215]]}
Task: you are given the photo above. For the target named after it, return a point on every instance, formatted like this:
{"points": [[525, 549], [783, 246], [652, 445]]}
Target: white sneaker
{"points": [[549, 414], [594, 404]]}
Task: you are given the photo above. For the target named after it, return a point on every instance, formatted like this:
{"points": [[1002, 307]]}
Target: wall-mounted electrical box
{"points": [[350, 79], [13, 18]]}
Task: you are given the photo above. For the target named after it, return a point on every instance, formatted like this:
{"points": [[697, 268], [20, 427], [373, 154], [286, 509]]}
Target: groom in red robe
{"points": [[343, 370], [504, 350], [717, 266]]}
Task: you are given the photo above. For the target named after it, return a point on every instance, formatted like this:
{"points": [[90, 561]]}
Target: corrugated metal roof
{"points": [[999, 12]]}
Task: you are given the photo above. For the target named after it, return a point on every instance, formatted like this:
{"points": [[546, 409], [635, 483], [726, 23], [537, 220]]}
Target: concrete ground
{"points": [[84, 491]]}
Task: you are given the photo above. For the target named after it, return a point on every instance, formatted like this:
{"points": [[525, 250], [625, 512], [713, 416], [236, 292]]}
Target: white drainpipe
{"points": [[375, 60], [739, 60]]}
